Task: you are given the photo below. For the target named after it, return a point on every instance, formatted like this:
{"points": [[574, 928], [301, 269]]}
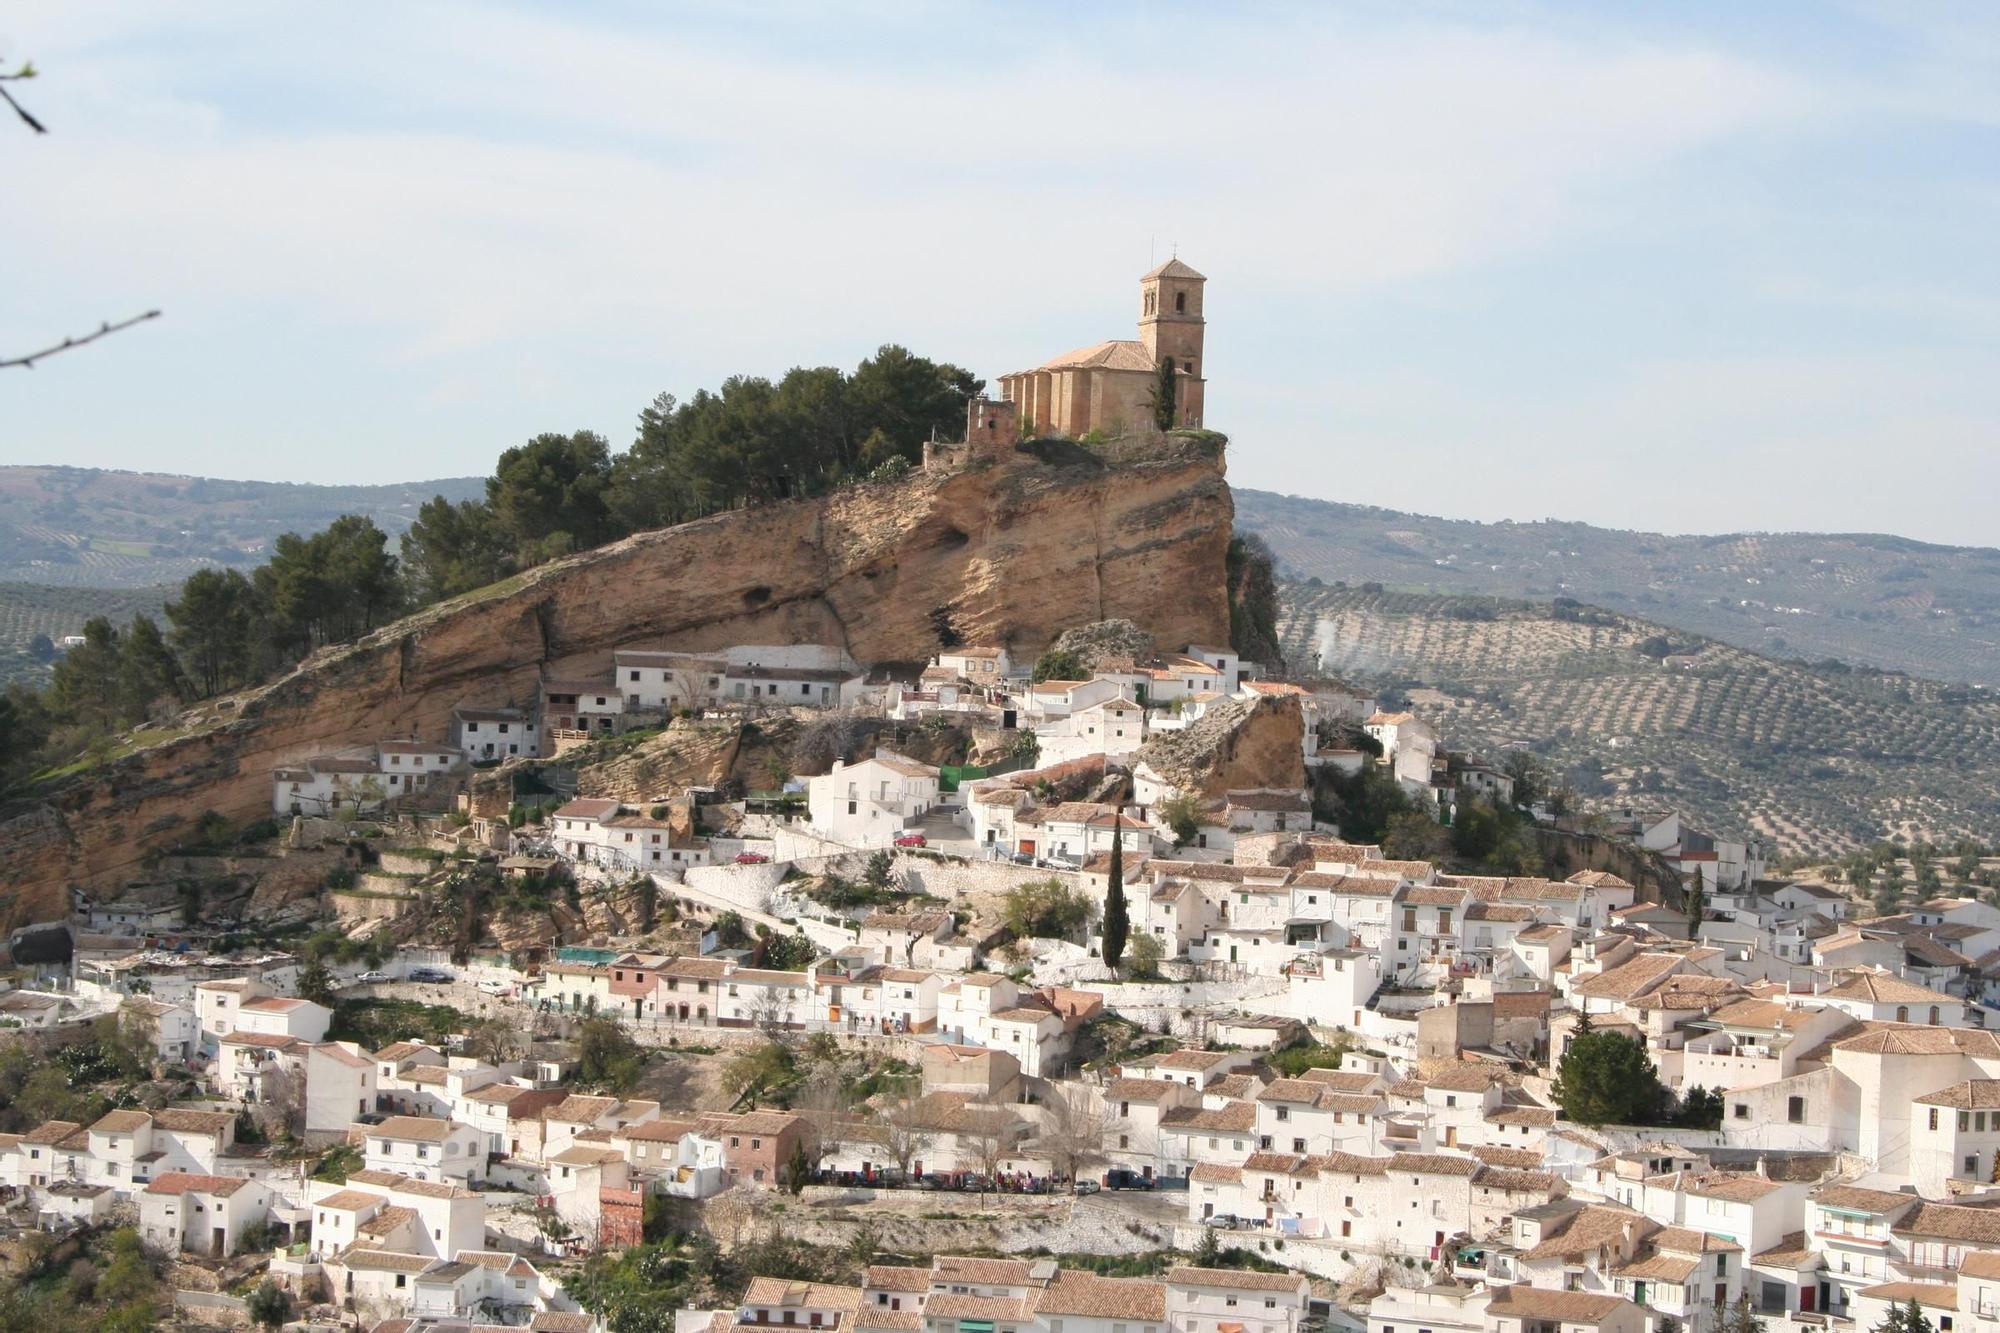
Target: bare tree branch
{"points": [[25, 72], [103, 330]]}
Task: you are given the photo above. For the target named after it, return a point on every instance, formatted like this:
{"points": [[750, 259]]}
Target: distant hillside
{"points": [[1819, 759], [1877, 601], [81, 527], [28, 609]]}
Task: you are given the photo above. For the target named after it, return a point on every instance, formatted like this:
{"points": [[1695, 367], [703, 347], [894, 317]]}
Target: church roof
{"points": [[1174, 268], [1116, 354]]}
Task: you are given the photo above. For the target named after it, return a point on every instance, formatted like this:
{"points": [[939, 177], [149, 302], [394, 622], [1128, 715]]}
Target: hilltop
{"points": [[1866, 599], [91, 528], [1819, 759], [1009, 548]]}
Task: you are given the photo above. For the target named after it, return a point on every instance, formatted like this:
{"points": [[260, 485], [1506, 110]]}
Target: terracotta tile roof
{"points": [[1140, 1089], [270, 1041], [1855, 1199], [393, 1180], [1230, 1118], [1731, 1186], [388, 1222], [1428, 896], [1657, 1266], [1937, 1295], [965, 1305], [1345, 1080], [582, 1109], [1881, 988], [50, 1132], [184, 1182], [896, 1277], [1791, 1251], [1628, 978], [982, 1272], [1591, 1228], [1215, 1173], [1689, 1240], [1086, 1295], [1232, 1279], [1579, 1307], [349, 1201], [182, 1120], [1513, 1181], [1236, 1087], [779, 1291], [1524, 1159], [1499, 912], [1433, 1163], [1464, 1077], [120, 1122], [419, 1128], [1951, 1222], [559, 1321]]}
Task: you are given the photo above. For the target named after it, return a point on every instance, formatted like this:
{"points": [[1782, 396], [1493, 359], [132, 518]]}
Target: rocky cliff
{"points": [[1011, 550]]}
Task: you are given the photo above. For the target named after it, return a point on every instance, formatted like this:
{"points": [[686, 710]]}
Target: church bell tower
{"points": [[1171, 325]]}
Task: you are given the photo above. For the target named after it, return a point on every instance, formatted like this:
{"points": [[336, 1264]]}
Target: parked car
{"points": [[495, 986], [912, 840], [373, 978], [1122, 1179], [1221, 1221], [1084, 1187], [429, 974], [751, 858]]}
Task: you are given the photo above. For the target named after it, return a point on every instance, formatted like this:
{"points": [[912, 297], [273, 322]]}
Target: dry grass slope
{"points": [[1818, 759]]}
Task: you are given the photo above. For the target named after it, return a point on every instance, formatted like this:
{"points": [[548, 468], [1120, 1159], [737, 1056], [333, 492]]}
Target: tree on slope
{"points": [[1116, 926], [1605, 1078], [1163, 394]]}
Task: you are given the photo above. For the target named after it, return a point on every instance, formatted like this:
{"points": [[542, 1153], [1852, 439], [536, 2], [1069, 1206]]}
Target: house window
{"points": [[1742, 1110]]}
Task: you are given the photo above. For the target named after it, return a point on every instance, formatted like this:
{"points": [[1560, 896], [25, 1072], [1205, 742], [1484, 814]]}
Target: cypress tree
{"points": [[1116, 927], [1163, 395]]}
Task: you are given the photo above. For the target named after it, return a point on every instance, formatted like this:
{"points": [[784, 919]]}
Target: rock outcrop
{"points": [[1237, 745], [1009, 551]]}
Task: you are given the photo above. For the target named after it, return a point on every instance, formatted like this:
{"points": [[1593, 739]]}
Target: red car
{"points": [[751, 858], [912, 840]]}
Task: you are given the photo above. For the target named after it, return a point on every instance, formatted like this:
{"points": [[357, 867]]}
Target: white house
{"points": [[494, 733], [340, 1088], [198, 1214], [175, 1034], [873, 802], [426, 1149], [667, 680]]}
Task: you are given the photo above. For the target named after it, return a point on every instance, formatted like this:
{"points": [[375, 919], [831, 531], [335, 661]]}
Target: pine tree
{"points": [[1116, 926]]}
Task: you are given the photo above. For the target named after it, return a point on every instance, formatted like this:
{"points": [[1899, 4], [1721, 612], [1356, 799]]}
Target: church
{"points": [[1109, 386]]}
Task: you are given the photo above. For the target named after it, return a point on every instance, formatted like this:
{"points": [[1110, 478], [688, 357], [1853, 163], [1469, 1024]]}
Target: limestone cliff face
{"points": [[1010, 551]]}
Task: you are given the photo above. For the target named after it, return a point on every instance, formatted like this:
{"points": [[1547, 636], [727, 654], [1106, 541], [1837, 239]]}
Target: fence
{"points": [[950, 775]]}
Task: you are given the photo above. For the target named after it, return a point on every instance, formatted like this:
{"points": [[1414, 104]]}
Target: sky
{"points": [[1697, 267]]}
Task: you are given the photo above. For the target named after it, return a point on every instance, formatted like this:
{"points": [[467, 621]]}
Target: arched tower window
{"points": [[1180, 303]]}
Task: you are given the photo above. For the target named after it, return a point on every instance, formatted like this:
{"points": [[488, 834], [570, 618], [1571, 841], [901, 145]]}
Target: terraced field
{"points": [[1864, 598], [1818, 759], [28, 609]]}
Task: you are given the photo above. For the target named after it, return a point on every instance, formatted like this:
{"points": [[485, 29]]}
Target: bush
{"points": [[1047, 909]]}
